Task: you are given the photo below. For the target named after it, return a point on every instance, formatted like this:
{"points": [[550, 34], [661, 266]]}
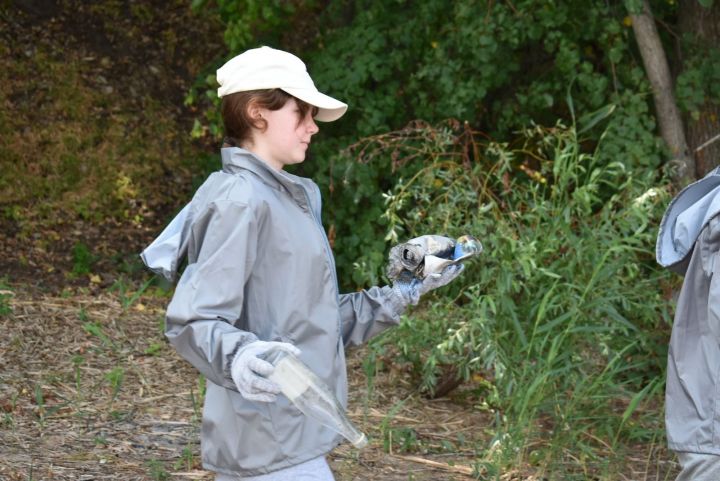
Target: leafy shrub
{"points": [[561, 312], [496, 65], [700, 80]]}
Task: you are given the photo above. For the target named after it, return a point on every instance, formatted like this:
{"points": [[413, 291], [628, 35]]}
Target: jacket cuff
{"points": [[398, 302], [227, 369]]}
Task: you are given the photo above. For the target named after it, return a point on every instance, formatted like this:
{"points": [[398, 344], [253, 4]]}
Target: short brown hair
{"points": [[236, 116]]}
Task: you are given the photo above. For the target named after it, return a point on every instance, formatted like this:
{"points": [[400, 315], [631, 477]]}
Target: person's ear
{"points": [[255, 112]]}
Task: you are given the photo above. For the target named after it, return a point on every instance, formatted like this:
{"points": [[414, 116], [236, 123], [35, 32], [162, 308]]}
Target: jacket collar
{"points": [[685, 217], [166, 252], [301, 190]]}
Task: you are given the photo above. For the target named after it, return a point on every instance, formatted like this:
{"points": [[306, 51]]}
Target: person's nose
{"points": [[311, 126]]}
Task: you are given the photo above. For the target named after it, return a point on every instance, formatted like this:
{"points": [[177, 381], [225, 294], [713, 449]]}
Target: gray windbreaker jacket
{"points": [[259, 266], [689, 243]]}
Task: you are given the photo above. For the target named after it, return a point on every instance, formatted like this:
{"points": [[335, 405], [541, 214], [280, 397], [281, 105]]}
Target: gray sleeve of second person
{"points": [[367, 313], [209, 296]]}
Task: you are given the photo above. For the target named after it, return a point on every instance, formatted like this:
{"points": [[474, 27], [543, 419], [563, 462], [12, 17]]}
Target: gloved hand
{"points": [[409, 291], [248, 370]]}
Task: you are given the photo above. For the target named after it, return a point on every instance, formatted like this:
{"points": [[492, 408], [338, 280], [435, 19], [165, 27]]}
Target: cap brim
{"points": [[329, 109]]}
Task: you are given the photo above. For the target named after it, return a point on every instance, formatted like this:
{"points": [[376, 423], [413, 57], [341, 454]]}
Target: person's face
{"points": [[287, 137]]}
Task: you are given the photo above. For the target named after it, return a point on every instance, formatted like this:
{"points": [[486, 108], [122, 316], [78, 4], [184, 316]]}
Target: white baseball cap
{"points": [[269, 68]]}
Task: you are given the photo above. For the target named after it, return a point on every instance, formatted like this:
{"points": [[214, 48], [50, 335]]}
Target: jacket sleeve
{"points": [[367, 313], [202, 315]]}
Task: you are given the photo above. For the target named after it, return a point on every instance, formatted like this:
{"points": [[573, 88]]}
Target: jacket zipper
{"points": [[328, 251]]}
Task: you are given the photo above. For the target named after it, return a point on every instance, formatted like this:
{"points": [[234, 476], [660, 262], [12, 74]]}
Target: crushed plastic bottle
{"points": [[428, 255], [312, 397]]}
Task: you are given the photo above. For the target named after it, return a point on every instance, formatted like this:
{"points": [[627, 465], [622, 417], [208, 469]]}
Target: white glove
{"points": [[409, 292], [249, 371]]}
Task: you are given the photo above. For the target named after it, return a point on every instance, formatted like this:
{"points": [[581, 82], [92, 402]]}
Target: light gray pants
{"points": [[698, 467], [314, 470]]}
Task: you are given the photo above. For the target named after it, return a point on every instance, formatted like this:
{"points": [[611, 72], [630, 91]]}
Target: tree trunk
{"points": [[702, 134], [667, 112]]}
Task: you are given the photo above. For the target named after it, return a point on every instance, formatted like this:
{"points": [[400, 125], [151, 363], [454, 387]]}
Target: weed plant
{"points": [[115, 378], [561, 323], [157, 470], [83, 259], [124, 289], [5, 296]]}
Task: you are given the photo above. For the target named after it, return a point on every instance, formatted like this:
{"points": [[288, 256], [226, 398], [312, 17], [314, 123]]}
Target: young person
{"points": [[260, 276], [688, 243]]}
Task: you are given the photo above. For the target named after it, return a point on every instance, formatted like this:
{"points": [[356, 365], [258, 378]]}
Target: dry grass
{"points": [[83, 401], [90, 390]]}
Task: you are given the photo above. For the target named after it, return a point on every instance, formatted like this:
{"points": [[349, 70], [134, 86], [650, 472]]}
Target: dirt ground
{"points": [[90, 390], [143, 57]]}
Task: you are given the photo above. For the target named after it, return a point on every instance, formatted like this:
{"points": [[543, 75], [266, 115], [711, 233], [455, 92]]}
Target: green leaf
{"points": [[588, 121], [632, 406]]}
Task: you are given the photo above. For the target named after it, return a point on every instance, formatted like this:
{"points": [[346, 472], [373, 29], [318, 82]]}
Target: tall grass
{"points": [[563, 316]]}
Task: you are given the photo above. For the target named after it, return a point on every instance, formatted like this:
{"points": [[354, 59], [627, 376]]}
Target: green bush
{"points": [[560, 315], [497, 65]]}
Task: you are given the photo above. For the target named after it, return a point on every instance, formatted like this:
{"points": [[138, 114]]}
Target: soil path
{"points": [[89, 389]]}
